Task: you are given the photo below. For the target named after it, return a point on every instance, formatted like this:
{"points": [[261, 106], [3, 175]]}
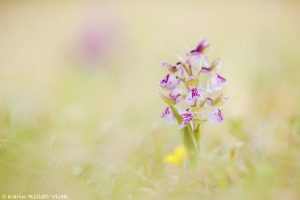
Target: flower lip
{"points": [[168, 116], [194, 95], [217, 82], [187, 118], [166, 112], [165, 79], [215, 116], [219, 115], [169, 82], [195, 92]]}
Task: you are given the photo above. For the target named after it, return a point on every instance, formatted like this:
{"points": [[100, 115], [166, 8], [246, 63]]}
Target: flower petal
{"points": [[203, 44], [206, 70], [197, 61], [169, 82], [189, 100], [175, 95], [215, 116], [217, 82], [168, 116], [193, 95], [187, 118], [178, 68]]}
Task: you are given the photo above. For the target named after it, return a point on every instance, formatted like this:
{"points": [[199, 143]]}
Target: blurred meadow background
{"points": [[80, 111]]}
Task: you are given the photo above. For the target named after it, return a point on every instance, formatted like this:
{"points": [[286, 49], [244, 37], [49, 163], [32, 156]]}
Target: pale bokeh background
{"points": [[79, 105]]}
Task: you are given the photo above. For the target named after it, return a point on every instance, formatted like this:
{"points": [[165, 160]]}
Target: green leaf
{"points": [[217, 100], [190, 145], [187, 139], [171, 104], [167, 100]]}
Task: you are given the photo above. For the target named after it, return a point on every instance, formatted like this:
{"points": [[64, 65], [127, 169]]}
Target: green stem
{"points": [[186, 69], [191, 139], [195, 144], [198, 133]]}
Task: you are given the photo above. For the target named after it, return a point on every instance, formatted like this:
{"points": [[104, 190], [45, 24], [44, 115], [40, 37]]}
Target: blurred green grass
{"points": [[95, 133]]}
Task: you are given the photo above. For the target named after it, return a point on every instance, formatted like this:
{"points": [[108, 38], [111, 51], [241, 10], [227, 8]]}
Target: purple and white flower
{"points": [[217, 82], [215, 116], [209, 70], [176, 95], [194, 95], [199, 97], [168, 116], [187, 118], [174, 69], [169, 82], [201, 47], [197, 61], [196, 58]]}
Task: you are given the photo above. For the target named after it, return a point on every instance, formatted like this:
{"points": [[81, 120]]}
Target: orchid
{"points": [[187, 118], [193, 93], [168, 116], [169, 82]]}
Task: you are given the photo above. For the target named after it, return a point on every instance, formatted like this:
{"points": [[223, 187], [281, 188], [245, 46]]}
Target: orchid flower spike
{"points": [[193, 92], [194, 85]]}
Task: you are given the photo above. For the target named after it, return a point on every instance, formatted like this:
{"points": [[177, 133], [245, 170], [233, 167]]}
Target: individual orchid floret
{"points": [[196, 59], [169, 82], [217, 82], [174, 69], [215, 116], [194, 95], [175, 95], [201, 47], [209, 70], [187, 118], [168, 116], [196, 62]]}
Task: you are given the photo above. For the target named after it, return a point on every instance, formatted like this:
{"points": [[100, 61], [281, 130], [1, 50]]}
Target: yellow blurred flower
{"points": [[177, 157]]}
